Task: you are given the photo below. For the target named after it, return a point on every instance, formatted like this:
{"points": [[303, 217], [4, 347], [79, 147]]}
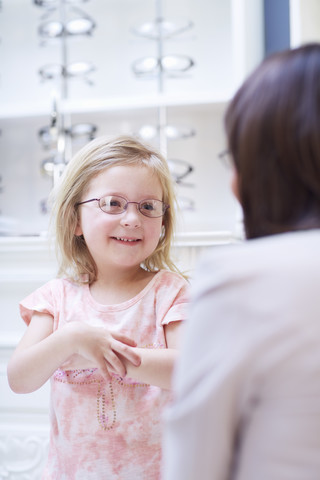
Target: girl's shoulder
{"points": [[171, 294], [65, 285], [169, 279]]}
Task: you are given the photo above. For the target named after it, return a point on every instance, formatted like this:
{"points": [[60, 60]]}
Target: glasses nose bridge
{"points": [[125, 210], [131, 218]]}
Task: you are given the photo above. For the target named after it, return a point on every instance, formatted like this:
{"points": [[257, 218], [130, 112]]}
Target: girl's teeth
{"points": [[125, 239]]}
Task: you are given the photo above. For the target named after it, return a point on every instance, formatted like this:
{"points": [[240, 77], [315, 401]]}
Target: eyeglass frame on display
{"points": [[178, 178], [64, 30], [65, 71], [186, 25], [49, 136], [159, 66]]}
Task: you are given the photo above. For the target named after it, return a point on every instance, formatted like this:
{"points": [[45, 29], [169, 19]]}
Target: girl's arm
{"points": [[157, 364], [41, 351]]}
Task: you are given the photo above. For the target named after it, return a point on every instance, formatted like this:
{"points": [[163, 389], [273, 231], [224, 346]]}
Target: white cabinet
{"points": [[24, 265]]}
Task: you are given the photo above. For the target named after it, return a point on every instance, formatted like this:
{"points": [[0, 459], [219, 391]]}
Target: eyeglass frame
{"points": [[64, 27], [178, 29], [65, 71], [165, 205], [160, 67], [226, 158], [176, 176]]}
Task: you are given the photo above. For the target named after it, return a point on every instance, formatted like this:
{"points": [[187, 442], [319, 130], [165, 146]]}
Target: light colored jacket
{"points": [[247, 387]]}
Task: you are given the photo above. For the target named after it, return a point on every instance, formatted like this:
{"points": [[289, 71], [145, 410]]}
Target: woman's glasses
{"points": [[226, 158], [116, 205]]}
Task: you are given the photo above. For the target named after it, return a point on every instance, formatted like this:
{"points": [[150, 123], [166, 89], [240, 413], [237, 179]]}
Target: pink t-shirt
{"points": [[101, 430]]}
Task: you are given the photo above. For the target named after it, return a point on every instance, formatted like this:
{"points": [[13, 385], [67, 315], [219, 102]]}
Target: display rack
{"points": [[217, 53], [62, 20]]}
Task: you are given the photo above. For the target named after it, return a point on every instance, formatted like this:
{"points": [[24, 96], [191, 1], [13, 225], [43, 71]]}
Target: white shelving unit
{"points": [[225, 44]]}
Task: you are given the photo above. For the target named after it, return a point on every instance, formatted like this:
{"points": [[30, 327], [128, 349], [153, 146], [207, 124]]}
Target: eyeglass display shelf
{"points": [[225, 43], [120, 103]]}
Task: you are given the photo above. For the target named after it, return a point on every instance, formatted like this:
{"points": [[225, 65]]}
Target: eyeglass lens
{"points": [[115, 205]]}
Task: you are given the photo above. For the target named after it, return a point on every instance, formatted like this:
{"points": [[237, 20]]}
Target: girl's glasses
{"points": [[116, 205]]}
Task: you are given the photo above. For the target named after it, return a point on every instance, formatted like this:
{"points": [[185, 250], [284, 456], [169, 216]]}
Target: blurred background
{"points": [[160, 69], [71, 70]]}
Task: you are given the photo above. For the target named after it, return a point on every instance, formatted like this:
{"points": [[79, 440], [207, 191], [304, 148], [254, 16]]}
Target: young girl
{"points": [[106, 331]]}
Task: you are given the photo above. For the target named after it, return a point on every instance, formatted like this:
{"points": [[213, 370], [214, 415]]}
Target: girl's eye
{"points": [[147, 206], [112, 204]]}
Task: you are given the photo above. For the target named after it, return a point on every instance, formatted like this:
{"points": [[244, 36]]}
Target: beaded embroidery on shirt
{"points": [[87, 377]]}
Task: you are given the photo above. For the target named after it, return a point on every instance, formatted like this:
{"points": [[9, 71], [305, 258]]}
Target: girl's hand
{"points": [[104, 348], [157, 364], [41, 351]]}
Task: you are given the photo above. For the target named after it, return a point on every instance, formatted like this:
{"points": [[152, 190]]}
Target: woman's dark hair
{"points": [[273, 132]]}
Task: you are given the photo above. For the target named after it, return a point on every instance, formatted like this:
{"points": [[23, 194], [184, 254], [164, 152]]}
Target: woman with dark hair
{"points": [[247, 386], [273, 126]]}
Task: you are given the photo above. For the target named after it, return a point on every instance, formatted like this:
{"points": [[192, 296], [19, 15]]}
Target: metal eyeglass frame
{"points": [[165, 206]]}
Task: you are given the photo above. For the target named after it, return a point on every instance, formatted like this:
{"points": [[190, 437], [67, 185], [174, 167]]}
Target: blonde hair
{"points": [[100, 154]]}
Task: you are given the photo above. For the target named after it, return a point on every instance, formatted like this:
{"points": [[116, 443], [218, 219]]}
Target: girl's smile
{"points": [[129, 241]]}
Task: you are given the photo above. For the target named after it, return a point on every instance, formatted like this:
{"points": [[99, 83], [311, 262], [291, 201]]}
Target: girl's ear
{"points": [[78, 230]]}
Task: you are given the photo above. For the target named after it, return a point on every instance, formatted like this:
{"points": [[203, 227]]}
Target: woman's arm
{"points": [[157, 364], [41, 351]]}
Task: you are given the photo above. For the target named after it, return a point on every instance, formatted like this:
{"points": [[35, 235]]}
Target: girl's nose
{"points": [[131, 217]]}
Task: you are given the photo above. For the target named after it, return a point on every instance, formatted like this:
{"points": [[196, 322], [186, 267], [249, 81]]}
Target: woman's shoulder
{"points": [[283, 255]]}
